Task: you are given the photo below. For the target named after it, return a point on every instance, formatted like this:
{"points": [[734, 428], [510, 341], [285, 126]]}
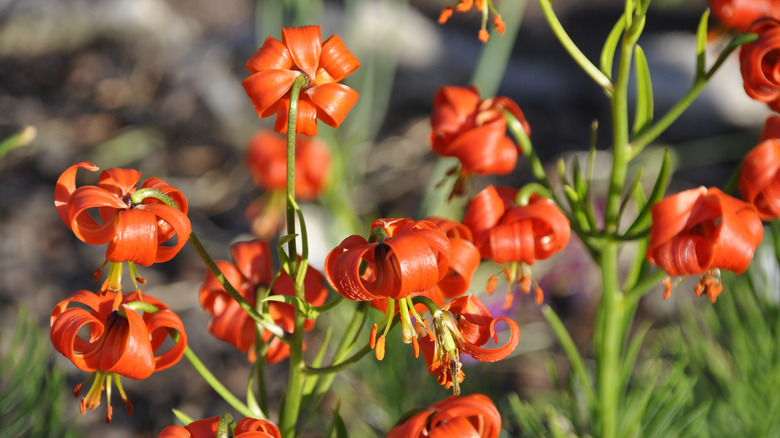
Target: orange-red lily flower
{"points": [[485, 7], [474, 130], [760, 64], [463, 326], [119, 341], [509, 233], [207, 428], [252, 270], [277, 64], [472, 415], [740, 14], [406, 257], [699, 232], [464, 261], [135, 231], [266, 157], [759, 178]]}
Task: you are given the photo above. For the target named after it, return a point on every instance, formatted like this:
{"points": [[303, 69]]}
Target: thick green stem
{"points": [[608, 341], [291, 404]]}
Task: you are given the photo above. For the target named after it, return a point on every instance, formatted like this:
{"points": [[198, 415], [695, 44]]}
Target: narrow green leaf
{"points": [[610, 45], [643, 219], [644, 92], [184, 418], [337, 427], [701, 44]]}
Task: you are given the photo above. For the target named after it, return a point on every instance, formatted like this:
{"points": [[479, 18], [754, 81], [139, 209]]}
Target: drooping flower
{"points": [[463, 326], [759, 177], [266, 157], [400, 258], [485, 7], [119, 341], [250, 272], [135, 231], [472, 415], [277, 64], [509, 233], [699, 232], [760, 63], [740, 14], [464, 261], [474, 131], [207, 428]]}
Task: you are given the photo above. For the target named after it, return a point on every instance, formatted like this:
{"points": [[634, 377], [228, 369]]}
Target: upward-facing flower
{"points": [[740, 14], [207, 428], [759, 177], [250, 272], [119, 341], [472, 415], [699, 232], [277, 64], [760, 63], [135, 231], [474, 130]]}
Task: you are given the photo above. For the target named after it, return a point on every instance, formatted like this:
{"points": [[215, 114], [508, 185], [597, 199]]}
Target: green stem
{"points": [[332, 369], [260, 319], [608, 341], [215, 384], [291, 404], [574, 51]]}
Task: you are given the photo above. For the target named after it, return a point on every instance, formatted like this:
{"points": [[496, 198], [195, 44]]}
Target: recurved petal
{"points": [[120, 182], [492, 355], [127, 348], [179, 225], [337, 60], [248, 425], [213, 297], [758, 178], [670, 216], [254, 260], [305, 46], [459, 427], [483, 213], [305, 123], [485, 150], [83, 225], [333, 101], [161, 322], [135, 239], [265, 88], [66, 185], [683, 255], [464, 261], [478, 408], [272, 55], [413, 427], [65, 337], [342, 268]]}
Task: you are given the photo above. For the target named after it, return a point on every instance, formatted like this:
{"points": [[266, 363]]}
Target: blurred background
{"points": [[156, 85]]}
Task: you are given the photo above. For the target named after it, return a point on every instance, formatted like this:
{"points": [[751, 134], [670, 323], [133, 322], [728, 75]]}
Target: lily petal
{"points": [[305, 46]]}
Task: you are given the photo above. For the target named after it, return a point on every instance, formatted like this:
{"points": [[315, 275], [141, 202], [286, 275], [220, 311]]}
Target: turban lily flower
{"points": [[464, 261], [508, 233], [400, 258], [759, 178], [699, 232], [135, 226], [485, 7], [474, 131], [463, 326], [740, 14], [207, 428], [277, 64], [250, 274], [119, 341], [760, 63], [472, 415], [266, 157]]}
